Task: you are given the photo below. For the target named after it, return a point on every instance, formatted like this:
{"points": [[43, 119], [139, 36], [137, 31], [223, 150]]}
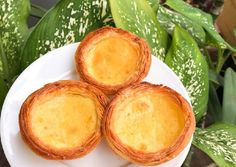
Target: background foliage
{"points": [[182, 36]]}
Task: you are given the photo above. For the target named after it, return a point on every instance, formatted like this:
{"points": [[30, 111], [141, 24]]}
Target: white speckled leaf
{"points": [[13, 30], [67, 22], [169, 19], [107, 18], [186, 60], [219, 142], [139, 18], [201, 18], [154, 3]]}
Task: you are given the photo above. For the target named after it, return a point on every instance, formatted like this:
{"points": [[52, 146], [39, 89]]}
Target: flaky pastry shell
{"points": [[136, 130], [112, 58], [62, 120]]}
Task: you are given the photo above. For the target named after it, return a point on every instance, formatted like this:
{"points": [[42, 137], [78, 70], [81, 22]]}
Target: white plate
{"points": [[56, 65]]}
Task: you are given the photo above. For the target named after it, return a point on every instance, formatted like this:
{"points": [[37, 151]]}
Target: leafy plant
{"points": [[203, 19], [37, 11], [169, 19], [179, 34], [3, 90], [13, 32], [210, 6], [139, 18], [219, 142], [186, 60], [67, 22], [229, 105]]}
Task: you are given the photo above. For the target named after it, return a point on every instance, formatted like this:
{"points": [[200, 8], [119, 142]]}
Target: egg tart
{"points": [[62, 120], [148, 124], [112, 58]]}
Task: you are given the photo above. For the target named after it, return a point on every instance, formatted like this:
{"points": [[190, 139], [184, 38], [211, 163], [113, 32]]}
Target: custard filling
{"points": [[148, 121], [113, 60], [64, 121]]}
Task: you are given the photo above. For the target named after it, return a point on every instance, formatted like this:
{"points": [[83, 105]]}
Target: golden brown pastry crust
{"points": [[153, 158], [144, 64], [49, 153]]}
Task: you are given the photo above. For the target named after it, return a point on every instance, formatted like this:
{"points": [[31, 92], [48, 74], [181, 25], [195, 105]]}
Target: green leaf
{"points": [[214, 106], [13, 31], [154, 4], [234, 59], [37, 11], [65, 23], [186, 60], [3, 91], [107, 18], [4, 75], [5, 72], [229, 100], [201, 18], [169, 19], [219, 142], [139, 18], [216, 78]]}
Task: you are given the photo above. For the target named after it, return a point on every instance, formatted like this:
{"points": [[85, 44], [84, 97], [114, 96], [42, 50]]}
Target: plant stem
{"points": [[208, 58], [221, 58]]}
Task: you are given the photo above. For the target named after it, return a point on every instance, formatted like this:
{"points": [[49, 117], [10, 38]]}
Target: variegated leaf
{"points": [[13, 30], [186, 60], [67, 22], [154, 4], [201, 18], [219, 142], [107, 18], [139, 18], [169, 19]]}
